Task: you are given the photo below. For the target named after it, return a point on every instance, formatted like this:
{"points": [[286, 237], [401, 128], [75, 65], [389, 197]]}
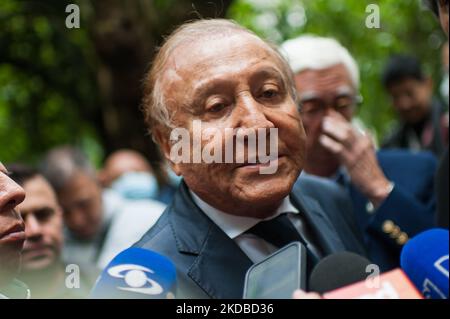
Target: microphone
{"points": [[136, 273], [425, 260], [338, 270], [350, 276]]}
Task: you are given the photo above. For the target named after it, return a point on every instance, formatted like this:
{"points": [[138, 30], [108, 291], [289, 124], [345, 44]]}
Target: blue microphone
{"points": [[425, 260], [137, 273]]}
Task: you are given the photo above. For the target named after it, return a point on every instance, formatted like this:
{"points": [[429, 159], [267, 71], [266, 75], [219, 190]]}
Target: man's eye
{"points": [[217, 108], [269, 94]]}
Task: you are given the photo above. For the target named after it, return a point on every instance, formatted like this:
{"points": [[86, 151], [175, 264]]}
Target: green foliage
{"points": [[47, 86], [49, 74], [406, 27]]}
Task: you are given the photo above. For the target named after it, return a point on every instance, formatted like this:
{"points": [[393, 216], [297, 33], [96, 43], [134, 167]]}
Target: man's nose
{"points": [[330, 112], [33, 228], [404, 104], [11, 194], [251, 113]]}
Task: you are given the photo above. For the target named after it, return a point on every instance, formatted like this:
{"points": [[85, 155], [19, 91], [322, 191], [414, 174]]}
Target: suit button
{"points": [[402, 238], [370, 209], [388, 226], [395, 232]]}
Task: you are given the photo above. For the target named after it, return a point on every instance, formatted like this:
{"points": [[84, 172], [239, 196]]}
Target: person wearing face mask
{"points": [[12, 238], [129, 173]]}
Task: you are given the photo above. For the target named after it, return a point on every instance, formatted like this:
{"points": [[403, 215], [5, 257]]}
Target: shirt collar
{"points": [[232, 225]]}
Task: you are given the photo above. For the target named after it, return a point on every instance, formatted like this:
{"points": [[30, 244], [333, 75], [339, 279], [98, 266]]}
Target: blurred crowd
{"points": [[71, 213]]}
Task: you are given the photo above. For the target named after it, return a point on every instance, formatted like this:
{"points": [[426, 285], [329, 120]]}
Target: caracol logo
{"points": [[135, 276]]}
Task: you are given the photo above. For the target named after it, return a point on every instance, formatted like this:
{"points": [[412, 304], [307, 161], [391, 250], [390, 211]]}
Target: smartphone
{"points": [[279, 275]]}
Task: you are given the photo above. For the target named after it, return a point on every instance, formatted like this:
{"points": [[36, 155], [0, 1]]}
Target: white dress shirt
{"points": [[235, 227]]}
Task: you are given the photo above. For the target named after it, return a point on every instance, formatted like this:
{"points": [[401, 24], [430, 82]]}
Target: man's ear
{"points": [[162, 138]]}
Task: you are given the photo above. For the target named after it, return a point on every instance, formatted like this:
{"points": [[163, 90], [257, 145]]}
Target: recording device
{"points": [[137, 273], [338, 270], [425, 260], [350, 276], [279, 275]]}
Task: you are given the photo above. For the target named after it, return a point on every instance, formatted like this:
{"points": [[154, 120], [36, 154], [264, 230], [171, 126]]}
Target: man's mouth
{"points": [[14, 234]]}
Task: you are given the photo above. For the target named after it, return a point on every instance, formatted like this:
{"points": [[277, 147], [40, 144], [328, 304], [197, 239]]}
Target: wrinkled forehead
{"points": [[215, 55]]}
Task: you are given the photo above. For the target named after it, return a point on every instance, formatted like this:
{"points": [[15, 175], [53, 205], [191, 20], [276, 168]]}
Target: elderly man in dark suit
{"points": [[227, 215]]}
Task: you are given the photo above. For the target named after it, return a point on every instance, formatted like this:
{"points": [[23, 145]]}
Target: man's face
{"points": [[235, 82], [43, 225], [443, 14], [81, 201], [12, 234], [322, 93], [411, 99]]}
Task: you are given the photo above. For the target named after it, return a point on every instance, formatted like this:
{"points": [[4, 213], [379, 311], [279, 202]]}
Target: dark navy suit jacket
{"points": [[408, 210], [211, 265]]}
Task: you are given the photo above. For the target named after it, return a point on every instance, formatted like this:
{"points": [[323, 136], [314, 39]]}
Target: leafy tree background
{"points": [[83, 86]]}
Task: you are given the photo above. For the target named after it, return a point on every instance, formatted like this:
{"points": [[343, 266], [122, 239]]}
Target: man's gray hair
{"points": [[154, 103], [60, 164], [311, 52]]}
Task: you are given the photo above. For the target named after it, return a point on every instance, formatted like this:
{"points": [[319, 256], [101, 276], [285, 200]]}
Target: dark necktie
{"points": [[280, 232]]}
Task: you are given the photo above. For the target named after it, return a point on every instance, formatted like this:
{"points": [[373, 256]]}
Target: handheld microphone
{"points": [[425, 260], [338, 270], [136, 273], [350, 276]]}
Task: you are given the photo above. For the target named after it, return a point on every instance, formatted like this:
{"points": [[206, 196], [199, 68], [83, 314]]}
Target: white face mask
{"points": [[136, 185]]}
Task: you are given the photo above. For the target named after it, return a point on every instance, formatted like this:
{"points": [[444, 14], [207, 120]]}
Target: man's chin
{"points": [[36, 262], [262, 193]]}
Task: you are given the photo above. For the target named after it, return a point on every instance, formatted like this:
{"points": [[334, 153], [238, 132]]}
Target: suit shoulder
{"points": [[309, 185], [158, 234], [398, 157]]}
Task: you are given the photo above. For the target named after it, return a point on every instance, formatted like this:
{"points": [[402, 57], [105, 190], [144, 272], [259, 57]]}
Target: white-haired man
{"points": [[392, 191]]}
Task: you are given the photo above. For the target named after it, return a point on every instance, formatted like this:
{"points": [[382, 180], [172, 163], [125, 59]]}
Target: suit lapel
{"points": [[220, 265], [319, 223]]}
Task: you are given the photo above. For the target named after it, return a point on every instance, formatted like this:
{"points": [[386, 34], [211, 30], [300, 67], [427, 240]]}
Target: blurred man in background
{"points": [[42, 267], [87, 210], [392, 192], [12, 238], [422, 117], [99, 222]]}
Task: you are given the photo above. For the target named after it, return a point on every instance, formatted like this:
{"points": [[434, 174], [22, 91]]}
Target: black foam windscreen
{"points": [[338, 270]]}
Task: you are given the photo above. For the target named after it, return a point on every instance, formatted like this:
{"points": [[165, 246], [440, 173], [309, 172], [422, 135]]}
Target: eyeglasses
{"points": [[316, 107]]}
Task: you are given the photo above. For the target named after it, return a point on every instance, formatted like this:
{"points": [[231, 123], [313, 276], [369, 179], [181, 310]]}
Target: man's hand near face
{"points": [[357, 154]]}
